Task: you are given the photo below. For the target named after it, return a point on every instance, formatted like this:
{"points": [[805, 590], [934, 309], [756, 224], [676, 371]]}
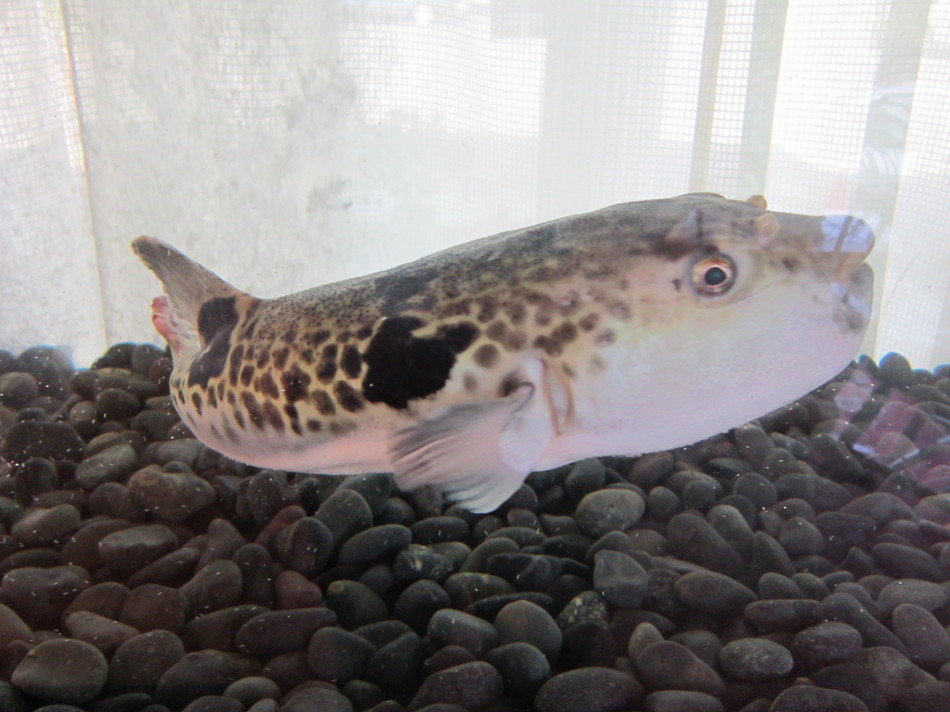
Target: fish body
{"points": [[639, 327]]}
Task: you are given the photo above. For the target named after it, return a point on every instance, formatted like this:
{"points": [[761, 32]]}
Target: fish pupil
{"points": [[715, 276]]}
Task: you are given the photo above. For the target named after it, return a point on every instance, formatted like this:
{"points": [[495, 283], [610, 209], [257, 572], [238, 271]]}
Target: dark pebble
{"points": [[473, 685], [451, 627], [608, 510], [128, 702], [585, 607], [893, 672], [277, 632], [258, 584], [153, 606], [466, 587], [113, 464], [316, 698], [776, 614], [376, 543], [825, 644], [46, 527], [395, 666], [927, 641], [128, 550], [681, 701], [620, 579], [105, 599], [526, 572], [99, 631], [36, 438], [663, 504], [217, 629], [375, 488], [800, 537], [338, 656], [670, 666], [17, 389], [925, 594], [12, 627], [692, 538], [288, 670], [293, 590], [207, 672], [713, 593], [214, 703], [252, 689], [418, 602], [755, 660], [263, 495], [926, 697], [591, 689], [218, 585], [732, 526], [31, 479], [223, 541], [305, 546], [584, 477], [62, 670], [39, 595], [173, 569], [415, 562], [441, 528], [523, 668], [525, 622], [344, 513], [587, 644], [907, 562], [138, 664], [355, 603], [170, 496], [808, 698], [768, 556]]}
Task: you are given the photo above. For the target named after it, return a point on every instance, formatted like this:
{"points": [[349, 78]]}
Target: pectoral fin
{"points": [[478, 453]]}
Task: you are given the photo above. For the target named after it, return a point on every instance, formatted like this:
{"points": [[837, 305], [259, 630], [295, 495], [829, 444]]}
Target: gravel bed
{"points": [[796, 564]]}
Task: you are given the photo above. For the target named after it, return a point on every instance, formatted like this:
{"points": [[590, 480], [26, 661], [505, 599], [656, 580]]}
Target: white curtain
{"points": [[286, 144]]}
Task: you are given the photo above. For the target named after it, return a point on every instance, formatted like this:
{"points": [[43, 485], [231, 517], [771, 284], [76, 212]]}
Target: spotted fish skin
{"points": [[631, 329]]}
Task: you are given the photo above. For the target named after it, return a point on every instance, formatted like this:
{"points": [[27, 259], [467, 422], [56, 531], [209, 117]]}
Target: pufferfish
{"points": [[636, 328]]}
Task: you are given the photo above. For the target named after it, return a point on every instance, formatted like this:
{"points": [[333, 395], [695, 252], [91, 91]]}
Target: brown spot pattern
{"points": [[486, 355], [269, 386], [253, 407], [323, 402], [326, 370], [347, 396], [351, 362]]}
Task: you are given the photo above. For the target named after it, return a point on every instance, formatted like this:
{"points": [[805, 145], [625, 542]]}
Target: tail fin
{"points": [[188, 286]]}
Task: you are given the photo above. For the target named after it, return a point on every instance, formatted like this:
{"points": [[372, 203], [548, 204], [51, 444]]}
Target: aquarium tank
{"points": [[486, 355]]}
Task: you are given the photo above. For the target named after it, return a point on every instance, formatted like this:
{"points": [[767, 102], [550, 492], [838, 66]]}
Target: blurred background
{"points": [[288, 144]]}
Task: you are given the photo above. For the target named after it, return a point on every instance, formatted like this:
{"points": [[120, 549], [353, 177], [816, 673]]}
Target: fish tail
{"points": [[188, 286]]}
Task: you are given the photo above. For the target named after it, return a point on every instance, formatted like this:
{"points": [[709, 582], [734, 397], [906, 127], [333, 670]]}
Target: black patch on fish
{"points": [[269, 386], [273, 417], [326, 370], [347, 396], [280, 357], [254, 411], [351, 361], [196, 402], [397, 288], [402, 367], [294, 381], [247, 375], [216, 320]]}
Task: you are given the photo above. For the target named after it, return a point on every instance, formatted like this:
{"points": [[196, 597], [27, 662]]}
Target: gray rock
{"points": [[46, 527], [620, 579], [777, 614], [152, 606], [139, 663], [103, 633], [927, 641], [713, 593], [692, 538], [451, 627], [62, 670], [338, 656], [471, 685], [113, 464], [207, 672], [276, 632], [755, 660], [592, 689], [523, 668], [218, 585], [926, 594], [128, 550], [608, 510], [893, 672], [526, 622], [170, 496], [670, 666], [825, 644], [681, 701], [808, 698], [39, 595]]}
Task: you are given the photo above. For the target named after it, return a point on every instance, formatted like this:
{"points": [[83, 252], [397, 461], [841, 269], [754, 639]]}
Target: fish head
{"points": [[757, 306]]}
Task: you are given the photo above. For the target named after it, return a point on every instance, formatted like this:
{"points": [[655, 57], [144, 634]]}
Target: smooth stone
{"points": [[809, 698], [586, 607], [526, 622], [376, 543], [415, 562], [926, 697], [39, 595], [776, 615], [288, 670], [525, 571], [844, 607], [315, 698], [395, 667], [732, 527], [907, 562], [523, 667], [692, 538], [418, 602], [703, 643], [355, 603], [127, 550], [681, 701], [46, 527], [305, 546], [138, 664], [338, 656], [153, 606], [252, 689], [17, 389], [583, 477], [206, 672], [174, 569], [12, 627], [452, 627], [925, 594], [113, 464], [713, 593], [438, 529], [799, 537], [214, 703], [35, 438], [893, 672], [258, 584], [592, 689], [224, 540], [768, 555], [587, 644], [670, 666], [825, 644], [344, 513], [62, 670], [608, 510], [31, 479], [105, 599], [755, 660], [757, 489], [170, 496], [375, 488], [216, 586], [927, 641], [99, 631], [466, 587], [217, 629], [855, 679], [620, 579], [473, 685], [276, 632]]}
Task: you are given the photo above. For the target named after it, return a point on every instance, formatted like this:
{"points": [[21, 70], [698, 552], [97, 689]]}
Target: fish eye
{"points": [[713, 275]]}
